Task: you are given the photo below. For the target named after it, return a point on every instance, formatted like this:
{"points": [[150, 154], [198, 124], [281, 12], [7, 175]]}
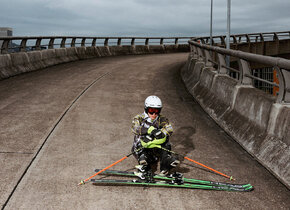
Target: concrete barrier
{"points": [[20, 63], [142, 49], [191, 77], [5, 66], [122, 50], [275, 148], [48, 57], [35, 60], [104, 51], [249, 115], [156, 49], [61, 56], [17, 63], [72, 54]]}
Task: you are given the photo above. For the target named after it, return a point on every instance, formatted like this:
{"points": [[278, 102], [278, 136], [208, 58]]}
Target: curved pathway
{"points": [[60, 123]]}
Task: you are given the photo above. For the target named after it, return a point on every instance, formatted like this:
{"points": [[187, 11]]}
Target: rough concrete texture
{"points": [[5, 66], [61, 55], [122, 50], [249, 116], [48, 57], [20, 62], [72, 53], [280, 113], [194, 73], [95, 132], [104, 51], [35, 60], [202, 88], [254, 104], [17, 63], [141, 49]]}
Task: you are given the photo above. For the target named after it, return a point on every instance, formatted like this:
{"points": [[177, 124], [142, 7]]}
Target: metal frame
{"points": [[51, 40], [281, 65]]}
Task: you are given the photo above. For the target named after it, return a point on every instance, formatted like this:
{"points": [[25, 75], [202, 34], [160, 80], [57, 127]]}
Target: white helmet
{"points": [[153, 102]]}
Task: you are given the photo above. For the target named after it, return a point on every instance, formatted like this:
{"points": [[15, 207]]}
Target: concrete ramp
{"points": [[60, 123]]}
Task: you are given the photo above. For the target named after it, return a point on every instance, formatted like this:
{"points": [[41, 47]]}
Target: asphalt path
{"points": [[60, 123]]}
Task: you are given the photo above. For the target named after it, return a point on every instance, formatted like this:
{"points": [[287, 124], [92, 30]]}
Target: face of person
{"points": [[153, 113], [152, 116]]}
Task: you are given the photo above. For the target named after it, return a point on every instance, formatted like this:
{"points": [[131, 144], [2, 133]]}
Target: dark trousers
{"points": [[152, 156]]}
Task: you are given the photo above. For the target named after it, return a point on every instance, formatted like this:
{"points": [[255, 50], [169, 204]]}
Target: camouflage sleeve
{"points": [[166, 127], [137, 126]]}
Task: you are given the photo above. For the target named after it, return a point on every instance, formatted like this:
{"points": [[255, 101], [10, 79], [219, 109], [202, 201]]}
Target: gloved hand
{"points": [[151, 129], [155, 133], [146, 141], [149, 142]]}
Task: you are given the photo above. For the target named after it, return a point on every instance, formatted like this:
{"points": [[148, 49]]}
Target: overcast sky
{"points": [[141, 17]]}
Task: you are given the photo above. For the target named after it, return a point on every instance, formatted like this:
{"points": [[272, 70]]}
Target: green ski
{"points": [[167, 184], [171, 178]]}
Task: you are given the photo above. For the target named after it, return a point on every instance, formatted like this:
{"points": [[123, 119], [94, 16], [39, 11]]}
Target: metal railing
{"points": [[245, 38], [51, 42], [244, 74]]}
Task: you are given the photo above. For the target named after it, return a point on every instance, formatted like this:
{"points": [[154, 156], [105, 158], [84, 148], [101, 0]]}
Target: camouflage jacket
{"points": [[142, 122]]}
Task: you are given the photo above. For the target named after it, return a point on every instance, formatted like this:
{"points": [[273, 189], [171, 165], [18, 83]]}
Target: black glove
{"points": [[147, 138], [157, 134]]}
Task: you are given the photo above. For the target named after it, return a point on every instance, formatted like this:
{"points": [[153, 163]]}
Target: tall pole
{"points": [[211, 4], [228, 30]]}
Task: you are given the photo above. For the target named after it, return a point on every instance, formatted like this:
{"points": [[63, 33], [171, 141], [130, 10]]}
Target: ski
{"points": [[167, 183], [171, 177]]}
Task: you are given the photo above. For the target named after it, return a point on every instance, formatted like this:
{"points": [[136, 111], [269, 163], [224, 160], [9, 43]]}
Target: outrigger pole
{"points": [[229, 177], [123, 158]]}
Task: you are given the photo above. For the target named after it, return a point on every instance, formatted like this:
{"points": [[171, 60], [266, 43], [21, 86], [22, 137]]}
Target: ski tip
{"points": [[250, 188], [81, 183], [232, 178]]}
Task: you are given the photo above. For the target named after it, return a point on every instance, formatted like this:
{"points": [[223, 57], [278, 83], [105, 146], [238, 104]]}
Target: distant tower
{"points": [[4, 31]]}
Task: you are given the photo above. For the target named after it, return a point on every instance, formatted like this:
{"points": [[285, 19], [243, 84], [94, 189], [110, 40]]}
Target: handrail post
{"points": [[119, 41], [83, 43], [176, 41], [261, 37], [245, 69], [222, 63], [94, 42], [62, 45], [5, 46], [284, 85], [133, 42], [23, 45], [223, 42], [51, 43], [73, 42], [208, 63], [275, 37], [248, 38], [147, 41], [106, 43], [38, 44], [234, 39]]}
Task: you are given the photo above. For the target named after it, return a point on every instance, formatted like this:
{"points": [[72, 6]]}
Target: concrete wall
{"points": [[249, 115], [17, 63]]}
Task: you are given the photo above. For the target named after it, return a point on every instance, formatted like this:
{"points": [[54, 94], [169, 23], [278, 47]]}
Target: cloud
{"points": [[140, 17]]}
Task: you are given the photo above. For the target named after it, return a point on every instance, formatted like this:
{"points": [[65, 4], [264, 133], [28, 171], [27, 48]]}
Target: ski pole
{"points": [[123, 158], [229, 177]]}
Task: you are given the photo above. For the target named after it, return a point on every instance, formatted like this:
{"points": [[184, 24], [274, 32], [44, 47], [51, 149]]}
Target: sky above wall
{"points": [[141, 17]]}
